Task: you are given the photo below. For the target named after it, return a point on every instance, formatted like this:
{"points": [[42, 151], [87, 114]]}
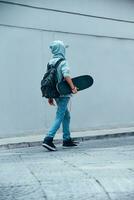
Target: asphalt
{"points": [[95, 170]]}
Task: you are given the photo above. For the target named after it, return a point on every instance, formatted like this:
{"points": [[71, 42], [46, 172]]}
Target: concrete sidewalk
{"points": [[95, 170], [36, 140]]}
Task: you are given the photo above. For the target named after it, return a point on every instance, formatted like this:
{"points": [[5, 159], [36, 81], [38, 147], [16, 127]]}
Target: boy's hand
{"points": [[51, 102], [72, 86], [74, 90]]}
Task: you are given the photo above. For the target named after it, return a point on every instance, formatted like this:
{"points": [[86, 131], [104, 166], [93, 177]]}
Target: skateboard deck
{"points": [[81, 82]]}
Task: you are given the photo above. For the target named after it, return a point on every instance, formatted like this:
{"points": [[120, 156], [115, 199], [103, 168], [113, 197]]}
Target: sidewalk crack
{"points": [[104, 189], [36, 178]]}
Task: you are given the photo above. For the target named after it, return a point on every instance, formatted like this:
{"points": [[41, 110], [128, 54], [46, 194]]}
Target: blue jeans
{"points": [[62, 116]]}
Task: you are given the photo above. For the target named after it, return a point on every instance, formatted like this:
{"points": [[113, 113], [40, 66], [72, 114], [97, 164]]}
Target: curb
{"points": [[59, 141]]}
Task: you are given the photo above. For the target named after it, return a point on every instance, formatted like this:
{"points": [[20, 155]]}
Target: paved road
{"points": [[96, 170]]}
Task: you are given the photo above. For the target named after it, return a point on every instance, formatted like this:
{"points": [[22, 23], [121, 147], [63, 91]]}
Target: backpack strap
{"points": [[56, 64]]}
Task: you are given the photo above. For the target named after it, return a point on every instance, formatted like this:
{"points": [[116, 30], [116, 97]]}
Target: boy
{"points": [[58, 49]]}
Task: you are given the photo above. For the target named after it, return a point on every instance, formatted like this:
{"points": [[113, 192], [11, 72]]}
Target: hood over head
{"points": [[58, 48]]}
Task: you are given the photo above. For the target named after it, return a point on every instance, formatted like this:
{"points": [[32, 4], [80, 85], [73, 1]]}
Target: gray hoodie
{"points": [[58, 49]]}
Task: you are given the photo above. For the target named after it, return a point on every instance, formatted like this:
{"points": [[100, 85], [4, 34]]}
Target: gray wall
{"points": [[101, 38]]}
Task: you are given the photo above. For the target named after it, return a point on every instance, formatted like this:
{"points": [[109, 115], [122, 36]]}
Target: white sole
{"points": [[49, 147]]}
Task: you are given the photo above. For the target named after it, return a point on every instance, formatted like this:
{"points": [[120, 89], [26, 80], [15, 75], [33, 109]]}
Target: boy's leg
{"points": [[67, 140], [61, 110], [62, 103], [66, 125]]}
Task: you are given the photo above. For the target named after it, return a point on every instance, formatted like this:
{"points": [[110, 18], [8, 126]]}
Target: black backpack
{"points": [[49, 81]]}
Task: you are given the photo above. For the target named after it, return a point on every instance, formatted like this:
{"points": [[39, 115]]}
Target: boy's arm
{"points": [[66, 74], [70, 83]]}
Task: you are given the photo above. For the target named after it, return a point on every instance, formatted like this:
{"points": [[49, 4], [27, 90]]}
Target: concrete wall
{"points": [[101, 38]]}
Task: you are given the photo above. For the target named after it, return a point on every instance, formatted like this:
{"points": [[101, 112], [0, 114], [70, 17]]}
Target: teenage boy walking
{"points": [[58, 50]]}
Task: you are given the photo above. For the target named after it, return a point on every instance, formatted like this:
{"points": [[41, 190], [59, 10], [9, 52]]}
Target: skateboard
{"points": [[81, 82]]}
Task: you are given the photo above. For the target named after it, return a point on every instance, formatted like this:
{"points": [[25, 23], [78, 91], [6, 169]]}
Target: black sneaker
{"points": [[48, 144], [69, 143]]}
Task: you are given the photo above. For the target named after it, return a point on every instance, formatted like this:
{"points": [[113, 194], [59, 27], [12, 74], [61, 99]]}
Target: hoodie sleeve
{"points": [[65, 69]]}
